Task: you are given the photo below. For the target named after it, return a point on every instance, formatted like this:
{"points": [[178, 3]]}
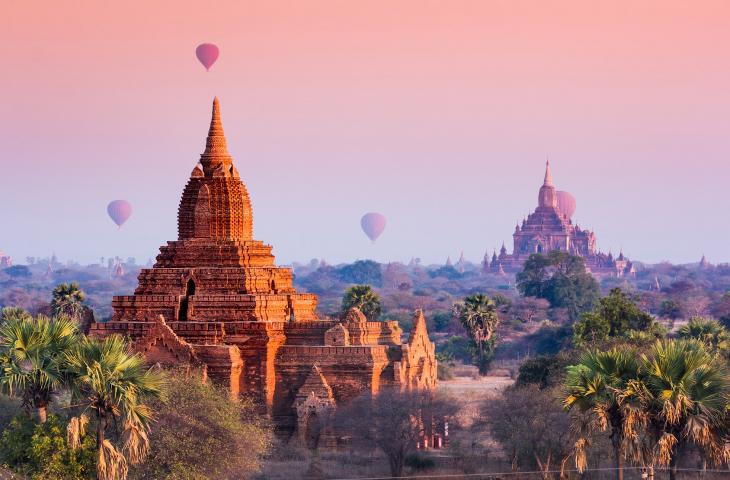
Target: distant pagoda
{"points": [[548, 228], [5, 260]]}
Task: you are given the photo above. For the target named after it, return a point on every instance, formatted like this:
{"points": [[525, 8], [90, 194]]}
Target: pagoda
{"points": [[549, 228], [215, 299]]}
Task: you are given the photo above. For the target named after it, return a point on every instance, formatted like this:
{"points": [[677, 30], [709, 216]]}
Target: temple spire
{"points": [[216, 128], [548, 176], [548, 197], [216, 148]]}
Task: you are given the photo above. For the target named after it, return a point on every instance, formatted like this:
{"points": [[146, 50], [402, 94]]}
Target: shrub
{"points": [[458, 348], [41, 451], [10, 407], [544, 371], [201, 433]]}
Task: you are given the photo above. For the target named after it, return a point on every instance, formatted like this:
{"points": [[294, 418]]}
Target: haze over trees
{"points": [[543, 344]]}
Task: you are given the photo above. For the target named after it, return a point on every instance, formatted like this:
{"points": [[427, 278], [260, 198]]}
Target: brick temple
{"points": [[215, 299], [549, 228]]}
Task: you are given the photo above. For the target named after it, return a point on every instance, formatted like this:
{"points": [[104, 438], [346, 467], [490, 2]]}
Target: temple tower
{"points": [[215, 299], [548, 197]]}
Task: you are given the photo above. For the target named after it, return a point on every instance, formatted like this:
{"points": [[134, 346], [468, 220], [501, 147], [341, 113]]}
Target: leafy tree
{"points": [[561, 279], [198, 423], [544, 371], [42, 451], [684, 390], [549, 339], [457, 347], [670, 309], [112, 382], [615, 315], [531, 427], [441, 320], [478, 315], [68, 300], [361, 272], [364, 299], [713, 335], [594, 387], [393, 421], [32, 356]]}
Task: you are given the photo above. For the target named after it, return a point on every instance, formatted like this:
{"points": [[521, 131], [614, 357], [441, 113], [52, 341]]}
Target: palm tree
{"points": [[686, 390], [32, 353], [710, 332], [364, 299], [112, 382], [595, 387], [6, 313], [478, 315], [68, 300]]}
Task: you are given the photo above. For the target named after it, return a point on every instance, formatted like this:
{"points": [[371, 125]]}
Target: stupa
{"points": [[215, 298]]}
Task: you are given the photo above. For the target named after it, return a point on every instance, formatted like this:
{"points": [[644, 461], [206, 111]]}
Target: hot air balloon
{"points": [[566, 204], [373, 225], [207, 54], [119, 211]]}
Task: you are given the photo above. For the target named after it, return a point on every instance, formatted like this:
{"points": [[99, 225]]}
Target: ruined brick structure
{"points": [[215, 299], [547, 229], [5, 260]]}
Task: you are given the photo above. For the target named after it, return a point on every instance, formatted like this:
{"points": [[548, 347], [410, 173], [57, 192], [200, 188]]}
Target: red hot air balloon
{"points": [[207, 54], [119, 211], [373, 225], [566, 204]]}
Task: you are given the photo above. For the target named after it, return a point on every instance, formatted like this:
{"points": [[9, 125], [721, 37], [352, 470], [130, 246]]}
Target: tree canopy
{"points": [[364, 299], [362, 271], [196, 424], [561, 279], [616, 315]]}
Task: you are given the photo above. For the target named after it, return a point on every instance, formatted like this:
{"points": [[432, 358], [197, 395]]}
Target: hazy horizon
{"points": [[437, 114]]}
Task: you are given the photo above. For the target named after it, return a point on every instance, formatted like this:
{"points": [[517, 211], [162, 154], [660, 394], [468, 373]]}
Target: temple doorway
{"points": [[189, 291]]}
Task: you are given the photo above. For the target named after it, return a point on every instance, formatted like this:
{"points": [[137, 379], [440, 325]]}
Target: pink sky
{"points": [[438, 114]]}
